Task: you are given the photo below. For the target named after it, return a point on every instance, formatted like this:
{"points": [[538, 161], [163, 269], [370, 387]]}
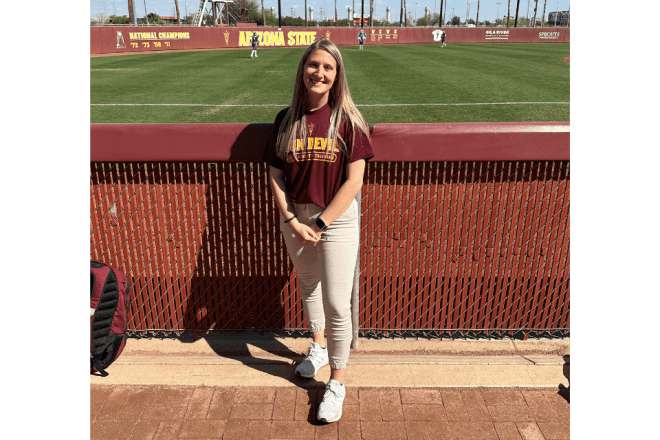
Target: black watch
{"points": [[321, 224]]}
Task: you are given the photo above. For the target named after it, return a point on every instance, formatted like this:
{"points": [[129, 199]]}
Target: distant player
{"points": [[362, 36], [439, 35], [254, 40]]}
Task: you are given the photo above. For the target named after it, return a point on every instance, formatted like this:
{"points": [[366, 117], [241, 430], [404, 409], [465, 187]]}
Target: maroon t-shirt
{"points": [[321, 168]]}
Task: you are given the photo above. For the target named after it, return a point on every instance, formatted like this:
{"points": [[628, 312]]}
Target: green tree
{"points": [[247, 10], [116, 19], [431, 20], [455, 21], [154, 18]]}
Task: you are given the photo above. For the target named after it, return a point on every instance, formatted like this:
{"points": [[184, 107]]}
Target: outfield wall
{"points": [[128, 39], [464, 227]]}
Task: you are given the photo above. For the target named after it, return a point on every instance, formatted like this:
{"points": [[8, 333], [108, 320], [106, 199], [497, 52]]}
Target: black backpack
{"points": [[109, 302]]}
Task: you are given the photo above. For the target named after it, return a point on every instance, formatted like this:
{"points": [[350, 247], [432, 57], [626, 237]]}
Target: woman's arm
{"points": [[344, 197], [304, 233]]}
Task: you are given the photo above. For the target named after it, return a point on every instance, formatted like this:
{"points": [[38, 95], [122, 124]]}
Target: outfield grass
{"points": [[424, 74]]}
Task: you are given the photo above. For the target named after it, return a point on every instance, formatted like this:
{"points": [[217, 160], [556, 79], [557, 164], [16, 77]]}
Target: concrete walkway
{"points": [[243, 386]]}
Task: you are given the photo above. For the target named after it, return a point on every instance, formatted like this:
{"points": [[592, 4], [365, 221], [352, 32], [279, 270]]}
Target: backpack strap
{"points": [[94, 363], [102, 319]]}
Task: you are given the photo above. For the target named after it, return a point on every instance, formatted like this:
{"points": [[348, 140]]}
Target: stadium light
{"points": [[498, 12]]}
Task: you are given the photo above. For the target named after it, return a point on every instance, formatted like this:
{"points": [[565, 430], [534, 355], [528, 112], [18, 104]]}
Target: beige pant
{"points": [[326, 275]]}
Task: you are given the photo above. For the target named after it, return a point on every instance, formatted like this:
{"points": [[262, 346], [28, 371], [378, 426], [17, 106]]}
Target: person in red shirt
{"points": [[317, 155]]}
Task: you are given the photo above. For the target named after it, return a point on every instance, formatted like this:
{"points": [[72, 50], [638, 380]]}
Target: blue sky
{"points": [[488, 9]]}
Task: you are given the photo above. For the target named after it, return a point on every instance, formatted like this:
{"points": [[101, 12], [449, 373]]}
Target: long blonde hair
{"points": [[341, 104]]}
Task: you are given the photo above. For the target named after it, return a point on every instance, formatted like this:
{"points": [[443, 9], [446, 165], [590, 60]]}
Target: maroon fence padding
{"points": [[567, 35], [418, 37], [109, 41], [207, 39], [481, 35], [471, 36], [472, 141], [451, 238], [457, 35], [245, 142], [524, 35], [95, 44], [154, 38]]}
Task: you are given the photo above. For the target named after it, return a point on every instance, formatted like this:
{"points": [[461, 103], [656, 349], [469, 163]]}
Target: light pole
{"points": [[498, 12], [415, 11], [467, 12], [348, 8]]}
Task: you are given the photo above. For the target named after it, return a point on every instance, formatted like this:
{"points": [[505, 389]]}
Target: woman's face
{"points": [[319, 75]]}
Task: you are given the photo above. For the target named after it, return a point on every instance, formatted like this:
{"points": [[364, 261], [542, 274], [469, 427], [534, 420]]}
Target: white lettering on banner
{"points": [[497, 35], [548, 35]]}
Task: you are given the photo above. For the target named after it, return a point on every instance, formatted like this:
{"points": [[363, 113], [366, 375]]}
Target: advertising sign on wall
{"points": [[548, 35], [497, 34]]}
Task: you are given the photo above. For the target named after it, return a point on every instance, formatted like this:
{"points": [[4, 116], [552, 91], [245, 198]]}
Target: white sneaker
{"points": [[317, 358], [256, 56], [333, 400]]}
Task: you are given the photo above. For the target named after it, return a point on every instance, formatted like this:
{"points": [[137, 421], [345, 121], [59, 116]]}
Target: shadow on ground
{"points": [[236, 346], [565, 391]]}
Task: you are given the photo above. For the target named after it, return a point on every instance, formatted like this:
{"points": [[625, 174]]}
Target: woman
{"points": [[317, 156]]}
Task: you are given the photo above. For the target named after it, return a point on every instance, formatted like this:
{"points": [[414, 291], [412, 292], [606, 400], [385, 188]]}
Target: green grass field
{"points": [[532, 74]]}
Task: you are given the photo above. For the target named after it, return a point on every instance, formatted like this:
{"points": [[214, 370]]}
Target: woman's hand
{"points": [[304, 234]]}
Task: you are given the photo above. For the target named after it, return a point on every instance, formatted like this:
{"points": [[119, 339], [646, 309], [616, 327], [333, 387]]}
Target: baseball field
{"points": [[389, 84]]}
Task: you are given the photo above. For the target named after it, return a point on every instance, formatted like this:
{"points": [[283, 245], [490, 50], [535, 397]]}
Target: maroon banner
{"points": [[127, 39]]}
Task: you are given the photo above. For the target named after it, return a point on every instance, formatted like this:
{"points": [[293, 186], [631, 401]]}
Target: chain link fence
{"points": [[446, 247]]}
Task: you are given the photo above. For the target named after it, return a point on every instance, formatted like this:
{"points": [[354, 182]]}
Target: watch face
{"points": [[320, 223]]}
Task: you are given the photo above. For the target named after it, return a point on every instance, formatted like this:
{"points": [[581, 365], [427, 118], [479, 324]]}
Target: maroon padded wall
{"points": [[152, 38]]}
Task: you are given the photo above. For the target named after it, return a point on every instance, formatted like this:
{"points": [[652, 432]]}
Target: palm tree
{"points": [[335, 12], [130, 12], [371, 13], [515, 24], [178, 18], [543, 18], [263, 14]]}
